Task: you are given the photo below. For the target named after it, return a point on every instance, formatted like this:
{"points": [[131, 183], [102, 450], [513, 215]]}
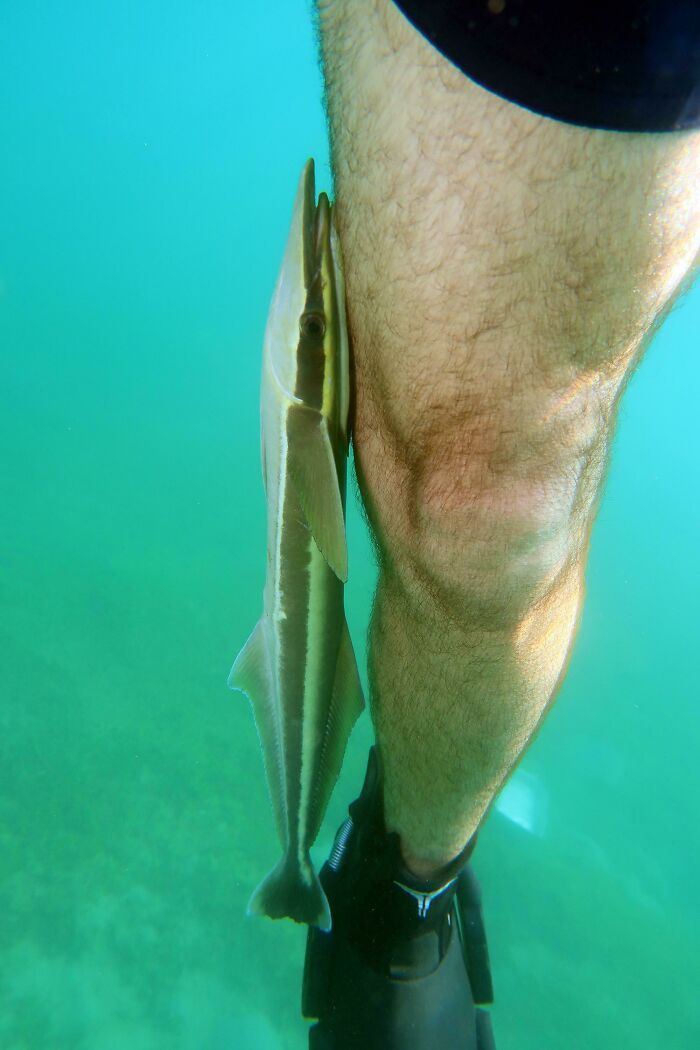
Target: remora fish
{"points": [[298, 667]]}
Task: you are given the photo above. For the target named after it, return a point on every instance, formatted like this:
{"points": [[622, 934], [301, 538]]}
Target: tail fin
{"points": [[292, 891]]}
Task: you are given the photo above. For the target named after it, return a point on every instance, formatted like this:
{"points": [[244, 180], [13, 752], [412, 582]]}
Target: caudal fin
{"points": [[291, 891]]}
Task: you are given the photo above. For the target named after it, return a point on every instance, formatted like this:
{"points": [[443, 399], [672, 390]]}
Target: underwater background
{"points": [[148, 158]]}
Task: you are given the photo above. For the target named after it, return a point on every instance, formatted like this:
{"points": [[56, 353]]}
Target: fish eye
{"points": [[312, 325]]}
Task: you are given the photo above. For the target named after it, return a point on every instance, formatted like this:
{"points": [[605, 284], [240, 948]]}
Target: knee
{"points": [[488, 548], [480, 522]]}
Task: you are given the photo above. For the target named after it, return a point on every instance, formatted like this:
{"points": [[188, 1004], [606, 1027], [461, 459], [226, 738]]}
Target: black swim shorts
{"points": [[622, 65]]}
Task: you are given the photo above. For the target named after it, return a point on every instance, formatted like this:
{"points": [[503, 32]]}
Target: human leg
{"points": [[504, 274]]}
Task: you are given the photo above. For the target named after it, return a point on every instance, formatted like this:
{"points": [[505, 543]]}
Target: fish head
{"points": [[306, 342]]}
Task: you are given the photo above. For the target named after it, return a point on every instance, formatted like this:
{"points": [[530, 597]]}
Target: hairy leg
{"points": [[504, 274]]}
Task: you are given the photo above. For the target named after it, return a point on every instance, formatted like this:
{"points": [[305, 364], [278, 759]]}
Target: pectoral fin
{"points": [[314, 474], [346, 706], [252, 674]]}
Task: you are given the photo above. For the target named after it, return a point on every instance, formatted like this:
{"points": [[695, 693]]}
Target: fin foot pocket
{"points": [[405, 962]]}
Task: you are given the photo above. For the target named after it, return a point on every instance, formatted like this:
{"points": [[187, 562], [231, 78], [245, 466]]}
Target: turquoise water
{"points": [[149, 155]]}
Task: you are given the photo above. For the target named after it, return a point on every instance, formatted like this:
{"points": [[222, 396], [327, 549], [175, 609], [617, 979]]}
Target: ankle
{"points": [[423, 868], [435, 869]]}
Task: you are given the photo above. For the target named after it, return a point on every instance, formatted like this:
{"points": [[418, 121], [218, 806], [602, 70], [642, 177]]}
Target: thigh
{"points": [[503, 269]]}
